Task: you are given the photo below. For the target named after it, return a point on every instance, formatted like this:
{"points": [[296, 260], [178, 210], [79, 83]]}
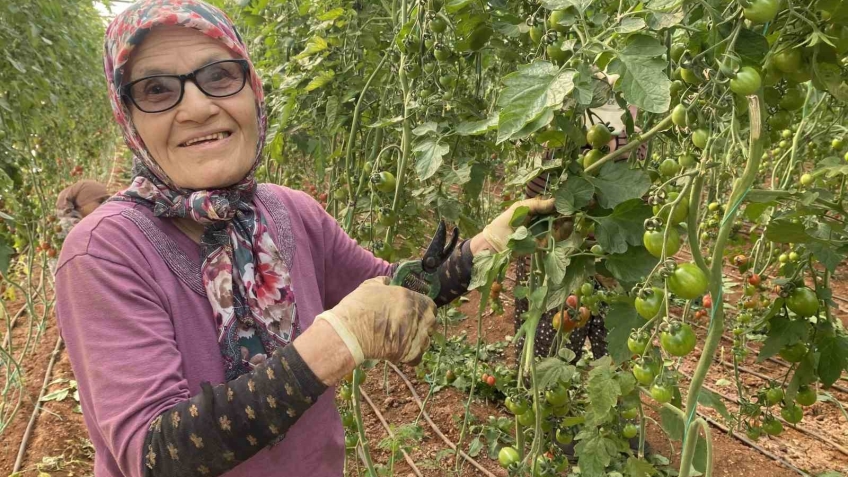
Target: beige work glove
{"points": [[381, 321], [498, 231]]}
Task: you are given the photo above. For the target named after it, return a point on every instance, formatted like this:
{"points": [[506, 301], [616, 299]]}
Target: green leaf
{"points": [[6, 254], [631, 266], [428, 156], [833, 360], [617, 183], [426, 128], [783, 331], [576, 273], [574, 195], [322, 79], [314, 45], [620, 320], [630, 25], [528, 92], [625, 225], [710, 399], [672, 424], [331, 15], [751, 46], [556, 262], [643, 81], [475, 447], [486, 266], [827, 255], [59, 395], [554, 370], [636, 467], [594, 455], [602, 387], [830, 75], [474, 128], [784, 231]]}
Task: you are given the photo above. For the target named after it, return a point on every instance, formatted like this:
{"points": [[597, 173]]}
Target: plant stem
{"points": [[630, 146]]}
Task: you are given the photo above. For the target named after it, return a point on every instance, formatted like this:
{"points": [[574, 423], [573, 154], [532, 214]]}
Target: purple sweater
{"points": [[141, 336]]}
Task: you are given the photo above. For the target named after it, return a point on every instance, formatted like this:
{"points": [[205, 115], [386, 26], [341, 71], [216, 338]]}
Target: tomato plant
{"points": [[466, 103]]}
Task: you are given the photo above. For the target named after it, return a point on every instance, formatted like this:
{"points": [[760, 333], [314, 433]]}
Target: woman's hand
{"points": [[496, 235], [381, 321]]}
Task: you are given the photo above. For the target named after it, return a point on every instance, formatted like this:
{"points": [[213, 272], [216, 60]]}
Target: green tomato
{"points": [[630, 413], [754, 432], [437, 25], [793, 99], [591, 157], [384, 181], [556, 17], [679, 340], [681, 212], [700, 138], [806, 179], [792, 414], [761, 11], [787, 60], [442, 53], [689, 76], [630, 431], [536, 33], [669, 168], [527, 419], [649, 306], [645, 372], [803, 301], [687, 160], [794, 353], [772, 426], [746, 82], [637, 343], [598, 136], [653, 241], [661, 393], [780, 120], [557, 396], [680, 116], [516, 406], [774, 396], [508, 456], [556, 53], [564, 436], [806, 396], [688, 281]]}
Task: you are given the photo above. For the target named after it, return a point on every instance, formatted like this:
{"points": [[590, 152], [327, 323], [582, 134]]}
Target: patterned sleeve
{"points": [[226, 424]]}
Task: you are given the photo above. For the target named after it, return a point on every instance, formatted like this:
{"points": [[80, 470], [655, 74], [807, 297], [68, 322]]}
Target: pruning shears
{"points": [[421, 275]]}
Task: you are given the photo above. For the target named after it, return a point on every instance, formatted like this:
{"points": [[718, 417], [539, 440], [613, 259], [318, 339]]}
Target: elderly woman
{"points": [[207, 318]]}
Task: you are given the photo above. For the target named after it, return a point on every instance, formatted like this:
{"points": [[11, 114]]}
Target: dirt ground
{"points": [[58, 444]]}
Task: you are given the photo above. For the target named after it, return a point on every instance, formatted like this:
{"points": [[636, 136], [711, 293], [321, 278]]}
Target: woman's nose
{"points": [[195, 105]]}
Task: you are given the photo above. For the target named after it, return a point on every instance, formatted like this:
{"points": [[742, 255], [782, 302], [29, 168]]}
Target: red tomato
{"points": [[754, 279], [490, 380], [708, 301], [571, 301]]}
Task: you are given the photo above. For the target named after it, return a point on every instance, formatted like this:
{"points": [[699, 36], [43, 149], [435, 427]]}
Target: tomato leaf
{"points": [[528, 92], [6, 254], [554, 370], [314, 45], [827, 255], [573, 196], [710, 399], [474, 128], [557, 261], [631, 266], [784, 231], [643, 81], [672, 424], [595, 454], [751, 47], [620, 320], [625, 225], [636, 467], [487, 266], [834, 358], [617, 183], [603, 388], [428, 156], [783, 331]]}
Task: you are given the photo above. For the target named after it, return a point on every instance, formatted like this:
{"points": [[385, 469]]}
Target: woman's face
{"points": [[209, 164]]}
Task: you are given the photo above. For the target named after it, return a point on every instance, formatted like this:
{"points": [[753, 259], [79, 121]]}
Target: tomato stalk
{"points": [[738, 193], [358, 376], [631, 146]]}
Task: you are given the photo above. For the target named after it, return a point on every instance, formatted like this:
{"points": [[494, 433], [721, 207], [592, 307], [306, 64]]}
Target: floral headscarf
{"points": [[245, 277]]}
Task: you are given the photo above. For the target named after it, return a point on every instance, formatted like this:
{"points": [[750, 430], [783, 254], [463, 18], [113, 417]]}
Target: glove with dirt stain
{"points": [[380, 321]]}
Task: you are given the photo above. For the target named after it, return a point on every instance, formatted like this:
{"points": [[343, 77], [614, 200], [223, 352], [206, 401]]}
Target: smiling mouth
{"points": [[206, 139]]}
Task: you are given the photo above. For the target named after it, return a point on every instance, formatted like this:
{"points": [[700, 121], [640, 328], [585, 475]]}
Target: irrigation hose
{"points": [[389, 430], [34, 416], [435, 427]]}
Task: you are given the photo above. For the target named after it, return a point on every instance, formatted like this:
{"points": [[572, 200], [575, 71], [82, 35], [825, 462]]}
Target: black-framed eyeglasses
{"points": [[159, 93]]}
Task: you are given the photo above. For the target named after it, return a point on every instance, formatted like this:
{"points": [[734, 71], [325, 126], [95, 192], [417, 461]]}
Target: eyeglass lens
{"points": [[159, 93]]}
